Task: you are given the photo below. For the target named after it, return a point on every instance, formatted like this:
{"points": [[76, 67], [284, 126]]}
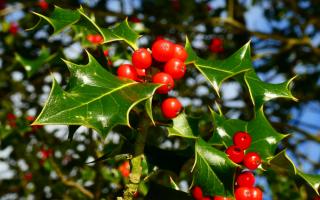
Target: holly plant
{"points": [[138, 100]]}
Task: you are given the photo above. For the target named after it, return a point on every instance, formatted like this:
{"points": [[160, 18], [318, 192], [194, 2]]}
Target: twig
{"points": [[135, 175], [70, 182]]}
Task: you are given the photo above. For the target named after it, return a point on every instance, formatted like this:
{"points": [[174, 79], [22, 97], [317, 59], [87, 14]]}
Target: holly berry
{"points": [[141, 59], [11, 116], [27, 176], [134, 19], [162, 50], [221, 198], [245, 179], [256, 194], [124, 169], [43, 5], [127, 71], [252, 160], [206, 198], [235, 154], [180, 52], [197, 193], [11, 120], [95, 38], [175, 67], [141, 72], [46, 153], [106, 52], [171, 107], [13, 28], [242, 140], [216, 45], [243, 193], [166, 80]]}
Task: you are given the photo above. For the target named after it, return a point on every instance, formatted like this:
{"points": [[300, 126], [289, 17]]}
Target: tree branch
{"points": [[70, 182]]}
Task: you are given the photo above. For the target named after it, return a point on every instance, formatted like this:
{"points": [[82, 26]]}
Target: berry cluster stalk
{"points": [[136, 168]]}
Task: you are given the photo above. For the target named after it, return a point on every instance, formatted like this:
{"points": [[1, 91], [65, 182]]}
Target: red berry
{"points": [[106, 52], [141, 72], [175, 67], [134, 19], [124, 169], [206, 198], [127, 71], [162, 50], [245, 179], [166, 80], [13, 29], [235, 154], [252, 160], [11, 116], [221, 198], [43, 5], [171, 107], [46, 153], [95, 38], [11, 120], [242, 140], [243, 193], [180, 52], [216, 45], [256, 194], [141, 59], [197, 193], [27, 176]]}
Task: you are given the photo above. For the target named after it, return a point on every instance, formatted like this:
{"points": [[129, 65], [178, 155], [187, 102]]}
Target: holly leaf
{"points": [[181, 127], [33, 65], [281, 162], [97, 100], [218, 71], [60, 18], [212, 170], [264, 137], [82, 23], [261, 92]]}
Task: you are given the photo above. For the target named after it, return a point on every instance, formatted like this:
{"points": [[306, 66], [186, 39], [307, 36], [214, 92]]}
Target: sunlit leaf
{"points": [[97, 100], [264, 137], [213, 171], [281, 162]]}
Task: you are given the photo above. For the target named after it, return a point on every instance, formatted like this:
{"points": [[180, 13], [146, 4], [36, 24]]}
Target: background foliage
{"points": [[285, 42]]}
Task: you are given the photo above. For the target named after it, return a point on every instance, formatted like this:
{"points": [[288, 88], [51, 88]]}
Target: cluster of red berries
{"points": [[171, 58], [124, 169], [198, 195], [12, 121], [236, 152], [245, 181]]}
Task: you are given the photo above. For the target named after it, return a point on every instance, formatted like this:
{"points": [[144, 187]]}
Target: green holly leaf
{"points": [[218, 71], [212, 170], [261, 92], [281, 162], [97, 100], [84, 25], [264, 137], [60, 18], [181, 127], [33, 65]]}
